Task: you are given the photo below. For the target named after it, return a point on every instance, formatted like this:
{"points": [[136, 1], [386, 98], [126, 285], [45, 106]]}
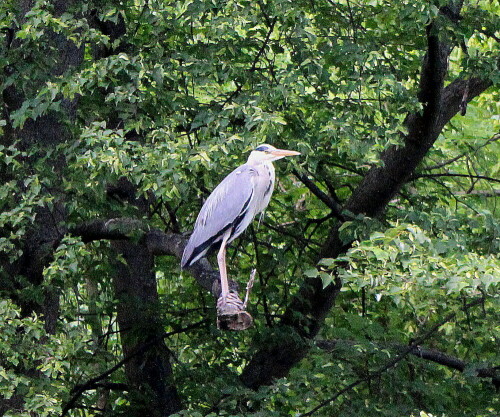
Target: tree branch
{"points": [[494, 138], [482, 193], [157, 242], [453, 95], [452, 174], [330, 203], [431, 355], [443, 164], [394, 361], [117, 386], [305, 315]]}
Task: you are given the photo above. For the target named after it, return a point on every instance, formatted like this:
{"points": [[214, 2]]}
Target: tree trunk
{"points": [[149, 371]]}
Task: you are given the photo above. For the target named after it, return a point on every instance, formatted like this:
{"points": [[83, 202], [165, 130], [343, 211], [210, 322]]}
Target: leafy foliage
{"points": [[168, 97]]}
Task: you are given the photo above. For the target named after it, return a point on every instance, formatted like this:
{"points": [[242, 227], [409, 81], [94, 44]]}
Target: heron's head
{"points": [[263, 153]]}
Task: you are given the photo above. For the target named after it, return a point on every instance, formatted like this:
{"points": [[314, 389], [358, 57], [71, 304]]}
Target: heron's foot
{"points": [[229, 304], [231, 314]]}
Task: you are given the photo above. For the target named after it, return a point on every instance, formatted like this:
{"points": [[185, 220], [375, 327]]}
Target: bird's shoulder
{"points": [[244, 170], [229, 197]]}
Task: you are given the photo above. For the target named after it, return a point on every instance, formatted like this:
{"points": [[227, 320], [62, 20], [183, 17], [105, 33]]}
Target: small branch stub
{"points": [[249, 288]]}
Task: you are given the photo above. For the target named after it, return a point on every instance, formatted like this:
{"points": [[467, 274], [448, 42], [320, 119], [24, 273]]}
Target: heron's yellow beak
{"points": [[283, 152]]}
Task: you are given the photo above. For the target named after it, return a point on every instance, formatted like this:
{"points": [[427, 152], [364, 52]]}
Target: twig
{"points": [[253, 67], [431, 355], [173, 218], [452, 174], [443, 164], [482, 193], [263, 298], [284, 231], [116, 386], [490, 34], [463, 103], [493, 139], [330, 202]]}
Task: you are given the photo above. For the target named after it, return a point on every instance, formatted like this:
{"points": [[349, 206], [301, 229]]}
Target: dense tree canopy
{"points": [[377, 264]]}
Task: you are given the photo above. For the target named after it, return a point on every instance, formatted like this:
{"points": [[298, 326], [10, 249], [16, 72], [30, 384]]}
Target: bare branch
{"points": [[443, 164], [253, 67], [450, 161], [452, 174], [482, 193]]}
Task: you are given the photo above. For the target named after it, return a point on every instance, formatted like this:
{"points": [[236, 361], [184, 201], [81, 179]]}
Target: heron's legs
{"points": [[221, 259]]}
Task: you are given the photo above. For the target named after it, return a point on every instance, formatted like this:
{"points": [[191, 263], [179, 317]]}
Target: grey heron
{"points": [[232, 206]]}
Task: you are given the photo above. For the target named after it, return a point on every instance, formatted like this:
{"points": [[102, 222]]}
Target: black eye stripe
{"points": [[262, 148]]}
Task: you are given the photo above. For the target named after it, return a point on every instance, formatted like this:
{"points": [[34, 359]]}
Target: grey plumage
{"points": [[234, 203]]}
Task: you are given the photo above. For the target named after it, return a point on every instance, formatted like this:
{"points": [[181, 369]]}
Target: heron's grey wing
{"points": [[223, 209]]}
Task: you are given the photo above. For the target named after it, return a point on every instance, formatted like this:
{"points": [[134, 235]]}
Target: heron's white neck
{"points": [[255, 158]]}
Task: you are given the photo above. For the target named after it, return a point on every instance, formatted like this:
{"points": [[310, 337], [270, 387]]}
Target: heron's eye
{"points": [[262, 149]]}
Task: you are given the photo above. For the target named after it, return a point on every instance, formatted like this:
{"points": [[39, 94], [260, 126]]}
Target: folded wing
{"points": [[228, 208]]}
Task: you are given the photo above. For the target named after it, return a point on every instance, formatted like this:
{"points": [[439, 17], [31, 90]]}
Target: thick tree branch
{"points": [[156, 241], [111, 229], [453, 95], [308, 309]]}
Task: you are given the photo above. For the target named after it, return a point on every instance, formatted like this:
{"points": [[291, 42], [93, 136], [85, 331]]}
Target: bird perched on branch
{"points": [[232, 206]]}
